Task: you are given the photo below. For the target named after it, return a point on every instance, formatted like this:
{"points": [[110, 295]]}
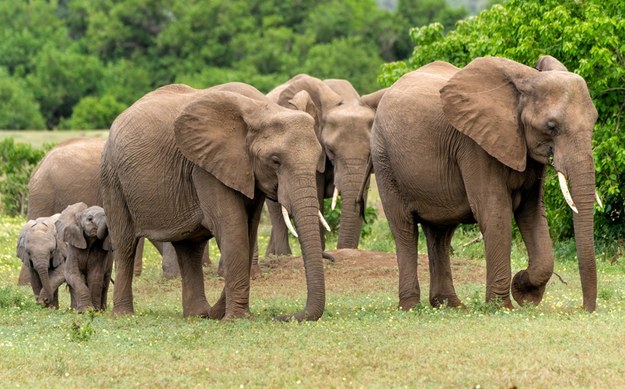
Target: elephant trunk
{"points": [[582, 179], [306, 215], [41, 267], [351, 211], [102, 229]]}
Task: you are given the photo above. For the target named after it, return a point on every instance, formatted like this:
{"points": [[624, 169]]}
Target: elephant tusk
{"points": [[324, 222], [565, 192], [598, 198], [287, 221], [335, 196]]}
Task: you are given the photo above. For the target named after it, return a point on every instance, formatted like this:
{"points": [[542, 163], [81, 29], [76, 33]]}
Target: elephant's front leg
{"points": [[494, 215], [82, 295], [189, 254], [529, 285], [57, 278], [95, 280]]}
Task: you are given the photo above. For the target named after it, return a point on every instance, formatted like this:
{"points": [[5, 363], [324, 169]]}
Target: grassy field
{"points": [[361, 340], [39, 138]]}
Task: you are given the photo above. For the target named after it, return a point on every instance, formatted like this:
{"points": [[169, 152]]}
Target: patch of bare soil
{"points": [[360, 271]]}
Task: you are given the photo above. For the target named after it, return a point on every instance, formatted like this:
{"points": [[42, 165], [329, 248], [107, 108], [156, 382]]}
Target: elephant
{"points": [[472, 145], [41, 254], [69, 173], [185, 165], [343, 120], [89, 261]]}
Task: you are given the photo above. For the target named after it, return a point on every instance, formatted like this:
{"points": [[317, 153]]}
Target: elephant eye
{"points": [[90, 218], [552, 127], [275, 160]]}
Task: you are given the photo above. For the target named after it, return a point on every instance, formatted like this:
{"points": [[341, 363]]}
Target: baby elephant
{"points": [[88, 264], [42, 254]]}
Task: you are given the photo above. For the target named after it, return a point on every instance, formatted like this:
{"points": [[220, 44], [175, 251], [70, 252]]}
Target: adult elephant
{"points": [[453, 146], [343, 120], [184, 165], [68, 174]]}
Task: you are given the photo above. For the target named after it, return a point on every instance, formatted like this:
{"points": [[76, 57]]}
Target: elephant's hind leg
{"points": [[441, 283], [189, 254]]}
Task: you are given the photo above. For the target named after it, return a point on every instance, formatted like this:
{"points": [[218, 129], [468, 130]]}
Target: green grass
{"points": [[361, 340]]}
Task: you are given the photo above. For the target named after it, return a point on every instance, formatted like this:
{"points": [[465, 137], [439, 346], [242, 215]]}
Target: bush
{"points": [[18, 162], [94, 113], [19, 109]]}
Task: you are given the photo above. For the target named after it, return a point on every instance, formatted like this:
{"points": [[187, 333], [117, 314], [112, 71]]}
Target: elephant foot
{"points": [[406, 304], [328, 256], [201, 309], [523, 291], [451, 301], [239, 314], [119, 310]]}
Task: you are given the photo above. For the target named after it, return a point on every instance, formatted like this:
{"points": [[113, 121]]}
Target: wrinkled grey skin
{"points": [[68, 174], [343, 120], [185, 165], [42, 255], [471, 145], [89, 261]]}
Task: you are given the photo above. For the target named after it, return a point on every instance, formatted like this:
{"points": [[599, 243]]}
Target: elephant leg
{"points": [[253, 238], [255, 271], [405, 233], [24, 278], [171, 269], [105, 289], [441, 283], [496, 225], [189, 255], [279, 238], [139, 257], [206, 259], [57, 278], [95, 282], [81, 292], [529, 285]]}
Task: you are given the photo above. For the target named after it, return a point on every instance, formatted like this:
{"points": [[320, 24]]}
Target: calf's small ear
{"points": [[73, 236]]}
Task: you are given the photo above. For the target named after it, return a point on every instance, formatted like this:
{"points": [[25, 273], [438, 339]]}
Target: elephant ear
{"points": [[303, 102], [321, 94], [481, 101], [73, 233], [548, 63], [21, 251], [211, 132], [373, 99]]}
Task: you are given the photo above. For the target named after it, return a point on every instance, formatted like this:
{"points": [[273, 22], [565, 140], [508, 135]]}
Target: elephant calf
{"points": [[88, 264], [42, 255]]}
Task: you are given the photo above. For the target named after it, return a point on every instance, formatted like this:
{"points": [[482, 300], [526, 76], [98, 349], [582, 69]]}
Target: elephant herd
{"points": [[447, 146]]}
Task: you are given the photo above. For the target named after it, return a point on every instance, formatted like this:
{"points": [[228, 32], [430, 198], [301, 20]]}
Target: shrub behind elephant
{"points": [[343, 121], [89, 261], [184, 165], [42, 255], [477, 151]]}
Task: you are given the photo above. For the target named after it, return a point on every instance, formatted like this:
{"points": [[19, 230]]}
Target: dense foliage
{"points": [[78, 63], [17, 162], [588, 37]]}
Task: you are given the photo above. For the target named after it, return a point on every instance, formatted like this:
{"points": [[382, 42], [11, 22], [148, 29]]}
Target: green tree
{"points": [[586, 36], [19, 109]]}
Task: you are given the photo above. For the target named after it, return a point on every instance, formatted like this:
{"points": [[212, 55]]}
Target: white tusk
{"points": [[335, 196], [287, 221], [565, 192], [599, 203], [324, 222]]}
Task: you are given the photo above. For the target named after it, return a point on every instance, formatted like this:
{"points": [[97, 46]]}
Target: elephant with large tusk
{"points": [[471, 145]]}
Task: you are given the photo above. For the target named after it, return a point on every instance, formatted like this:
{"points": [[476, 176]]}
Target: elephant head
{"points": [[38, 248], [344, 123], [80, 226], [516, 113]]}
